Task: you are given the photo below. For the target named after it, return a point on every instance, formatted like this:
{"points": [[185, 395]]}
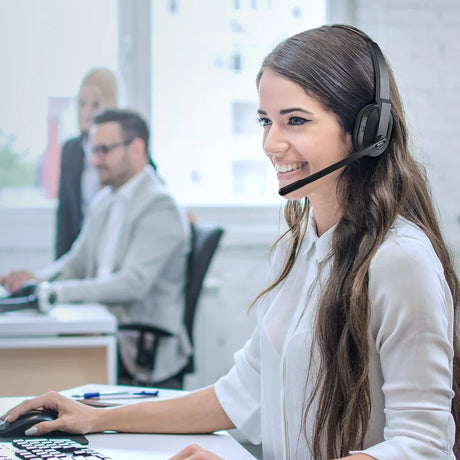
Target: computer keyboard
{"points": [[47, 449]]}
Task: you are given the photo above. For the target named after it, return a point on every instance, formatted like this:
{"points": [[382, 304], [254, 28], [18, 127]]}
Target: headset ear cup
{"points": [[379, 151], [366, 125]]}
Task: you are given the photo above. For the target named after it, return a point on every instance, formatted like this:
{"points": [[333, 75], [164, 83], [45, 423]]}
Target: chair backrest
{"points": [[205, 239]]}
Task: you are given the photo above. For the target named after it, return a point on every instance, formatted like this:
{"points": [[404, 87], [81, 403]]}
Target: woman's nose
{"points": [[275, 141]]}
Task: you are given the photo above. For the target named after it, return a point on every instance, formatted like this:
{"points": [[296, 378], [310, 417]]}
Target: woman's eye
{"points": [[263, 121], [295, 121]]}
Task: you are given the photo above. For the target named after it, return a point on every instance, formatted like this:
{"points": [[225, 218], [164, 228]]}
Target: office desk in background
{"points": [[71, 345], [129, 446]]}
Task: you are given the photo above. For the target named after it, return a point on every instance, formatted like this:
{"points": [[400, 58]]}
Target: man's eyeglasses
{"points": [[104, 149]]}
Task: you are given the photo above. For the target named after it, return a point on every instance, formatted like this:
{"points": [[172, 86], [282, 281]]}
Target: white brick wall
{"points": [[421, 39]]}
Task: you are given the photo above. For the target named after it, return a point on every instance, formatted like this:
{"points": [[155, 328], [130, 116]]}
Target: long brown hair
{"points": [[332, 64]]}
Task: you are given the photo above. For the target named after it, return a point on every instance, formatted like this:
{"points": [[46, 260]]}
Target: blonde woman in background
{"points": [[79, 181]]}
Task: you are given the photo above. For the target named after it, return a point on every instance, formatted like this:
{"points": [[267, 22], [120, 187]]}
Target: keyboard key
{"points": [[47, 449]]}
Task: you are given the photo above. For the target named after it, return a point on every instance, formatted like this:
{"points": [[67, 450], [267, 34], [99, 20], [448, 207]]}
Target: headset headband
{"points": [[382, 87], [382, 80]]}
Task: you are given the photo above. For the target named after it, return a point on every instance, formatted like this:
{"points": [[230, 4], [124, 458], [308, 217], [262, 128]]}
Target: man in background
{"points": [[132, 251]]}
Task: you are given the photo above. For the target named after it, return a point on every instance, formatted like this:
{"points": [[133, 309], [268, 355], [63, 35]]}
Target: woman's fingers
{"points": [[73, 417], [47, 427], [195, 452], [48, 400]]}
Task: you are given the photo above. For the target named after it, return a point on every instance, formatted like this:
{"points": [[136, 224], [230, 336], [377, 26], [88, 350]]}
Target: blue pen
{"points": [[146, 393], [97, 394]]}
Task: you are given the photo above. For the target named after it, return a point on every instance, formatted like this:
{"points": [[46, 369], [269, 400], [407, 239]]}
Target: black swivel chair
{"points": [[204, 242]]}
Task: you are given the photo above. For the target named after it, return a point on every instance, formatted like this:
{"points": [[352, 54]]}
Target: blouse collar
{"points": [[320, 245]]}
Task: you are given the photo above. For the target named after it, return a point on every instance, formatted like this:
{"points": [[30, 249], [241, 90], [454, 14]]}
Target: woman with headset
{"points": [[355, 354]]}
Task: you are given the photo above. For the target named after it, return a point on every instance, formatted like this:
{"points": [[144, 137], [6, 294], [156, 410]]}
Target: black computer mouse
{"points": [[25, 421]]}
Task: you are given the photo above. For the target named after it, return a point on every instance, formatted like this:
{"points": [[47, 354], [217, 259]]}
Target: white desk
{"points": [[128, 446], [72, 344]]}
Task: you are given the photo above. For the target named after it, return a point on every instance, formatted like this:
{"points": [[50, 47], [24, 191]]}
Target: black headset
{"points": [[373, 124]]}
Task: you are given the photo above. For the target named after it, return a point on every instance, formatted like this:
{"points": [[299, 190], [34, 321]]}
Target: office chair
{"points": [[204, 242]]}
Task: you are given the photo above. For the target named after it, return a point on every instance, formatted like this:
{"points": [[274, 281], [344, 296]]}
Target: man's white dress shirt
{"points": [[117, 214]]}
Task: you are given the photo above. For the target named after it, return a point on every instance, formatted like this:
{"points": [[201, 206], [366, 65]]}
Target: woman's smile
{"points": [[290, 171]]}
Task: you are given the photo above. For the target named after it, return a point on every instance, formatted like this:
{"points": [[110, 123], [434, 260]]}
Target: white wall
{"points": [[26, 236], [421, 39]]}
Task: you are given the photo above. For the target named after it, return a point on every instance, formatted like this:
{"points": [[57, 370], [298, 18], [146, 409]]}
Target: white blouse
{"points": [[410, 344]]}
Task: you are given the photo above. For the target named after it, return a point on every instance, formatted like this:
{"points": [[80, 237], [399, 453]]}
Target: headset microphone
{"points": [[373, 124], [324, 172]]}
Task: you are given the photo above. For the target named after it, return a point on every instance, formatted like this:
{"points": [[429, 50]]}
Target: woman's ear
{"points": [[348, 140]]}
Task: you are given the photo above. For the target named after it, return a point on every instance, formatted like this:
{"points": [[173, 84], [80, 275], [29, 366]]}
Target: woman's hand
{"points": [[195, 452], [73, 417]]}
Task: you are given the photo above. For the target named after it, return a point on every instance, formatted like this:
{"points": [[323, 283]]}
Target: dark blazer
{"points": [[69, 216]]}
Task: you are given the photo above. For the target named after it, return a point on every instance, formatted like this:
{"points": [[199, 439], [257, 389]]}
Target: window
{"points": [[205, 57], [205, 60], [46, 48]]}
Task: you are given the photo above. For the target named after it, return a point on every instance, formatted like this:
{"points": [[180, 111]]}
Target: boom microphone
{"points": [[379, 145]]}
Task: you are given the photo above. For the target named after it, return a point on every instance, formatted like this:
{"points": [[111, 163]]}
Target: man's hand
{"points": [[73, 417], [16, 279]]}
